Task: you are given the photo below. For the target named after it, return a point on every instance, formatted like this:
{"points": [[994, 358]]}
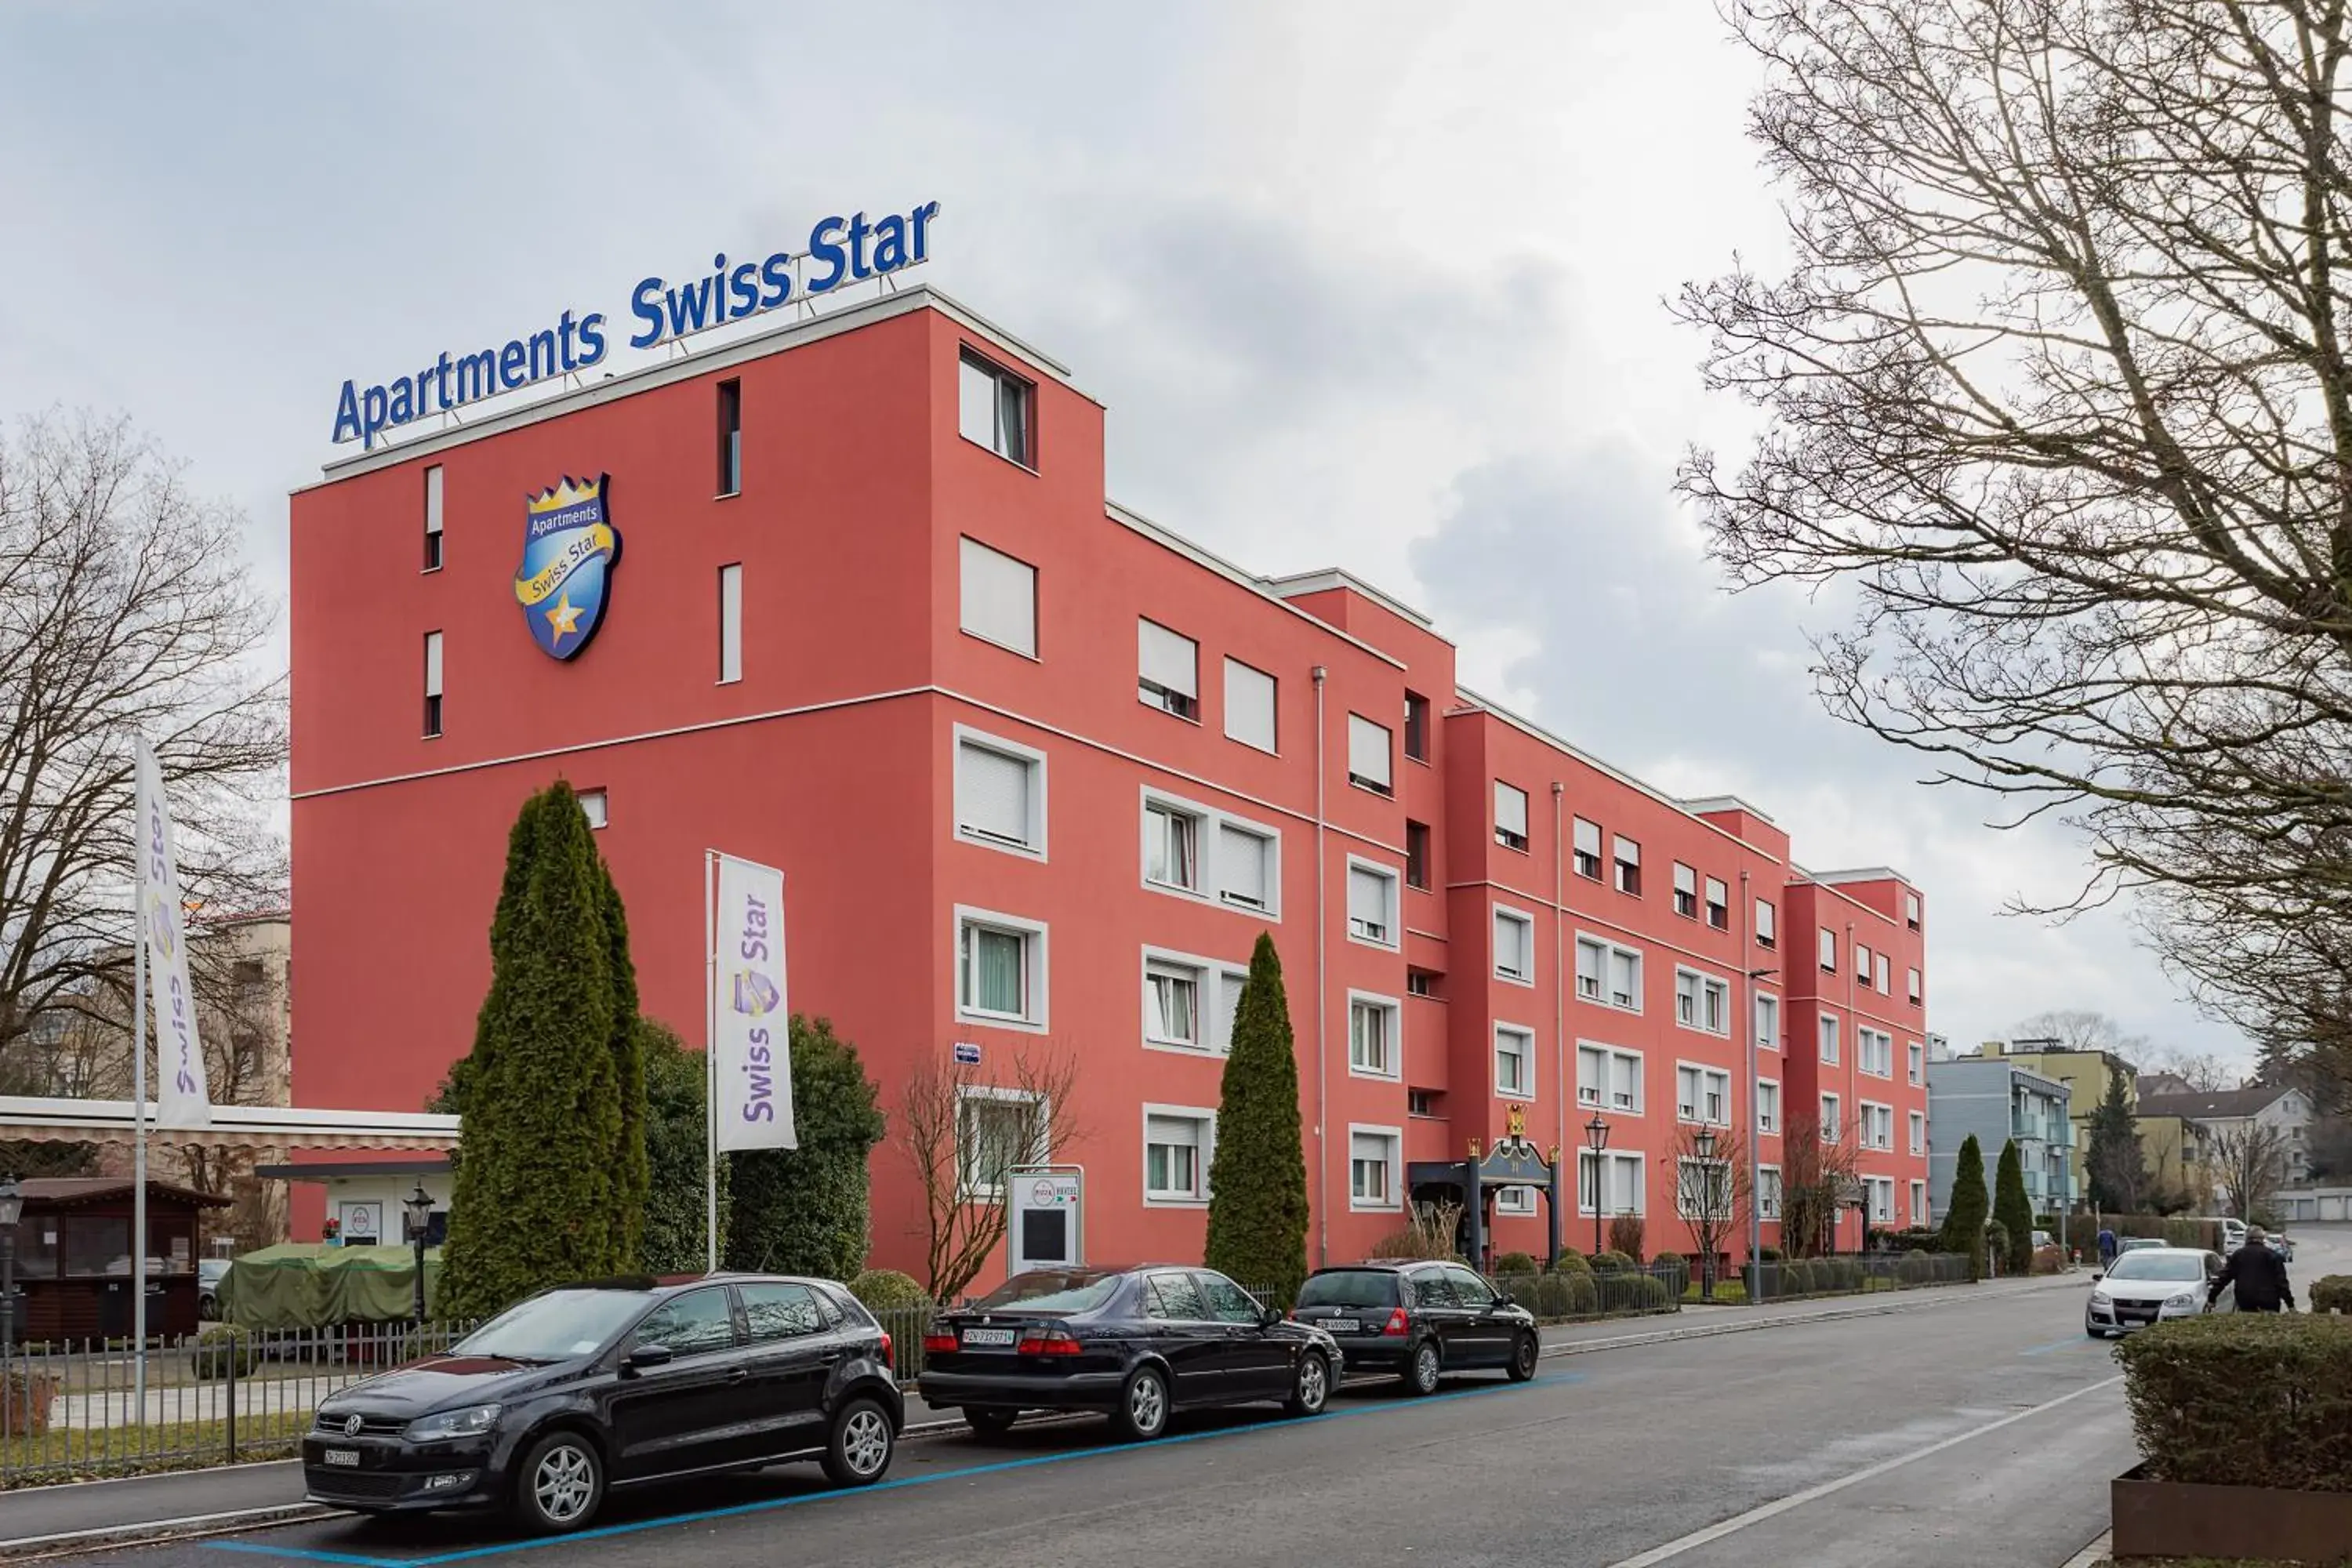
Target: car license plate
{"points": [[1341, 1326], [999, 1339], [348, 1458]]}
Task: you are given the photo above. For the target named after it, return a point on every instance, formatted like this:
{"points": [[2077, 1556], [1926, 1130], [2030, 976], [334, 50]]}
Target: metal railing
{"points": [[1852, 1274]]}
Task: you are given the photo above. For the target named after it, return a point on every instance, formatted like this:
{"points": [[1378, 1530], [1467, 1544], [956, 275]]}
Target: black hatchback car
{"points": [[615, 1384], [1419, 1319], [1136, 1344]]}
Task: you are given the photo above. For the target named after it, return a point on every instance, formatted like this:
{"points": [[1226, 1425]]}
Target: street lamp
{"points": [[1703, 1144], [11, 1209], [419, 1204], [1596, 1138]]}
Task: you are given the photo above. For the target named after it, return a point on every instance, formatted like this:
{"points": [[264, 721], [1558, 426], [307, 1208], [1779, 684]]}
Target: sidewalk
{"points": [[243, 1496]]}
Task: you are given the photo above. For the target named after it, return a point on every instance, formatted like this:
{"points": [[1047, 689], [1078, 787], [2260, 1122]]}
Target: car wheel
{"points": [[1523, 1358], [560, 1484], [989, 1420], [1142, 1412], [1310, 1391], [861, 1446], [1420, 1371], [207, 1309]]}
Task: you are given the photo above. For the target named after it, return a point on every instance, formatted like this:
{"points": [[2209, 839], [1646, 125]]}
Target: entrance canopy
{"points": [[39, 1120], [1513, 1162]]}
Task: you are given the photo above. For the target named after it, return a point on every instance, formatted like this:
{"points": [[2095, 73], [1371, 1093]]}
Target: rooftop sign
{"points": [[841, 251]]}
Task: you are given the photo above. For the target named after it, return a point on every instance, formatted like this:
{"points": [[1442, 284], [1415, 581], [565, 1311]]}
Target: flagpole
{"points": [[138, 1123], [709, 1065]]}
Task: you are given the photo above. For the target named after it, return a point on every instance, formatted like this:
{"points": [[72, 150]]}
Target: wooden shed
{"points": [[74, 1258]]}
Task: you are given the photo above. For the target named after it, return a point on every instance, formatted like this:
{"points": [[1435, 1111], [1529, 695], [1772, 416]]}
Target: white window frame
{"points": [[1708, 985], [435, 717], [965, 544], [1710, 1077], [1918, 1202], [1916, 1132], [1580, 837], [1874, 1053], [1767, 1118], [1607, 1161], [1526, 924], [1914, 1063], [1502, 833], [1768, 1194], [978, 1192], [1611, 949], [1715, 903], [1158, 696], [1911, 911], [1385, 785], [1826, 950], [1877, 1125], [963, 735], [1216, 1037], [1830, 1042], [1037, 955], [1605, 1095], [1248, 673], [971, 361], [1919, 990], [1394, 875], [1766, 1039], [1683, 1188], [1394, 1161], [1204, 825], [1619, 863], [1205, 1120], [1208, 847], [434, 498], [1686, 887], [730, 623], [1885, 976], [1861, 964], [1526, 1036], [1768, 925], [1515, 1200], [1394, 1037], [1833, 1109]]}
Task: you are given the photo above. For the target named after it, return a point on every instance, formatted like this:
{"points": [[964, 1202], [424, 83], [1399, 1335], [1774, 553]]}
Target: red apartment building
{"points": [[1038, 771]]}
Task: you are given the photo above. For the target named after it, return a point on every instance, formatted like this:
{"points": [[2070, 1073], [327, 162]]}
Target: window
{"points": [[1515, 938], [1000, 793], [433, 518], [992, 407], [1702, 1188], [1372, 1167], [1686, 892], [1368, 754], [998, 1130], [1608, 1079], [1417, 726], [432, 684], [1371, 1036], [1177, 1143], [1416, 854], [1608, 974], [1249, 705], [1877, 1125], [1587, 849], [1882, 1200], [1703, 1094], [593, 806], [1829, 1116], [692, 1324], [1768, 1192], [1911, 911], [1862, 964], [1515, 1200], [1877, 1052], [1686, 998], [1918, 1062], [1919, 1203], [1767, 1023], [1172, 847], [1172, 1002], [774, 1310], [1718, 904], [730, 624], [730, 437], [1916, 990], [1829, 1040], [1168, 667], [1828, 950], [1768, 1106], [1882, 977], [1918, 1132], [1000, 969], [999, 598], [1510, 816], [1765, 917], [1420, 1102], [1612, 1184], [1246, 866], [1629, 866], [1515, 1062], [1371, 903], [1176, 1298], [1421, 983], [1702, 1001]]}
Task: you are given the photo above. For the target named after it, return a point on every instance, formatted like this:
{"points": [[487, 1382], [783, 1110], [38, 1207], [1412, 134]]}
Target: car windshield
{"points": [[1349, 1287], [556, 1326], [2158, 1266], [1053, 1290]]}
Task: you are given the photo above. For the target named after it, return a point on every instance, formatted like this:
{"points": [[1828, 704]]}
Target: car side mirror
{"points": [[1501, 1299], [644, 1356], [2097, 1275], [1269, 1316]]}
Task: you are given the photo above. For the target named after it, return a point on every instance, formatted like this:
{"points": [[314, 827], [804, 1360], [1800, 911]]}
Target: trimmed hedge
{"points": [[2243, 1400], [1517, 1263], [2332, 1293], [887, 1291], [1601, 1260], [224, 1350]]}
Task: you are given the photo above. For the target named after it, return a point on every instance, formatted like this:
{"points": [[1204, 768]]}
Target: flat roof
{"points": [[1864, 874], [1330, 577]]}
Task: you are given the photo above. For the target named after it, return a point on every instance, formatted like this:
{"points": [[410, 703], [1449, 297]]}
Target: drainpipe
{"points": [[1322, 1001], [1853, 1090], [1755, 1129], [1559, 996]]}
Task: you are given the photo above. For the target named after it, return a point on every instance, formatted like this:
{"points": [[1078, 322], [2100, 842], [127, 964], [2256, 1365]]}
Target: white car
{"points": [[2149, 1285]]}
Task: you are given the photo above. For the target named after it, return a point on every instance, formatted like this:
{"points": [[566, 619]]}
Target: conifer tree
{"points": [[1257, 1179], [2013, 1210], [1964, 1216]]}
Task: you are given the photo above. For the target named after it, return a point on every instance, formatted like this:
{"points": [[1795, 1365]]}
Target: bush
{"points": [[1565, 1295], [1413, 1241], [1673, 1270], [224, 1350], [887, 1291], [2332, 1293], [1846, 1273], [2181, 1231], [1611, 1259], [2244, 1399], [1913, 1268], [2049, 1260], [1797, 1277], [1625, 1235], [804, 1210], [1643, 1293], [1995, 1244], [1769, 1255], [1573, 1263], [1516, 1263]]}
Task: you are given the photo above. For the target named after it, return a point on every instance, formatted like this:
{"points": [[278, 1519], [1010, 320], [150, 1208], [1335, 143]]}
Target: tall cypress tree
{"points": [[1964, 1216], [2013, 1210], [1257, 1179], [539, 1190], [633, 1169]]}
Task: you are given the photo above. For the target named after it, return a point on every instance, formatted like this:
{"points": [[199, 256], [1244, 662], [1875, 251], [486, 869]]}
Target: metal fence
{"points": [[1851, 1275]]}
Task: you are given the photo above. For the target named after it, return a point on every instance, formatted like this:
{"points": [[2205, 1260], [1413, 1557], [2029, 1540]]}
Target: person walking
{"points": [[2106, 1247], [2257, 1274]]}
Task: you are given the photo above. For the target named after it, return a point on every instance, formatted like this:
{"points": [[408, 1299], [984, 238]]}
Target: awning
{"points": [[44, 1120]]}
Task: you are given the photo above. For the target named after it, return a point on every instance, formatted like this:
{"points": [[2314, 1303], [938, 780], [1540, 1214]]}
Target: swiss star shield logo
{"points": [[569, 550]]}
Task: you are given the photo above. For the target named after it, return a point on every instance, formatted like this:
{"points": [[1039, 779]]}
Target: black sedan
{"points": [[1419, 1319], [1138, 1344], [615, 1384]]}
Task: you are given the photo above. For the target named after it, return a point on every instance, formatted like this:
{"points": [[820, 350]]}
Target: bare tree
{"points": [[125, 609], [2248, 1164], [1815, 1176], [1712, 1191], [962, 1130], [2058, 385], [2081, 1030]]}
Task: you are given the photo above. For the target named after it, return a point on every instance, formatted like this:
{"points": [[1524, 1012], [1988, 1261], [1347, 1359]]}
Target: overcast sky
{"points": [[1374, 286]]}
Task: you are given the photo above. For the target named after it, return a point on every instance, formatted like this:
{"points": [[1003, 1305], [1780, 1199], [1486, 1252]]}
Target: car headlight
{"points": [[470, 1422], [2186, 1299], [2100, 1298]]}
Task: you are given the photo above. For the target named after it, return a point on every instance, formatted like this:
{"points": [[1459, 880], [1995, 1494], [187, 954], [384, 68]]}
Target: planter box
{"points": [[2176, 1519]]}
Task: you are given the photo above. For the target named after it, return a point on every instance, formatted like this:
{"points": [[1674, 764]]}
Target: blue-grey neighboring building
{"points": [[1995, 1099]]}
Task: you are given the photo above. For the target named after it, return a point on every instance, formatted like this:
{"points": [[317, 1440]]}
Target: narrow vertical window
{"points": [[432, 684], [433, 518], [730, 624], [730, 437]]}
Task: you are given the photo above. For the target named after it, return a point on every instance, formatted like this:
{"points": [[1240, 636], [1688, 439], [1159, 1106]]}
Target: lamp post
{"points": [[1703, 1145], [11, 1209], [1596, 1138], [419, 1204]]}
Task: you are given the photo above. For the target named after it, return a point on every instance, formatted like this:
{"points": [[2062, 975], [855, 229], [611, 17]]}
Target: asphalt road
{"points": [[1970, 1432]]}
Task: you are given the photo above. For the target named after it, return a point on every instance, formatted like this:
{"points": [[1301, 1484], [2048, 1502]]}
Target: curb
{"points": [[1668, 1336], [195, 1527], [2095, 1553]]}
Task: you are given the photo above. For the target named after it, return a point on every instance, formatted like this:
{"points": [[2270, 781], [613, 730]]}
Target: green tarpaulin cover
{"points": [[310, 1285]]}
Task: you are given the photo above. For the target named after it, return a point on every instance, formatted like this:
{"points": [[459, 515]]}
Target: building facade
{"points": [[1038, 773], [1996, 1100]]}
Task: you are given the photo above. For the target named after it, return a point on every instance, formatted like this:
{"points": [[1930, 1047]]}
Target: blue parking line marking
{"points": [[472, 1554]]}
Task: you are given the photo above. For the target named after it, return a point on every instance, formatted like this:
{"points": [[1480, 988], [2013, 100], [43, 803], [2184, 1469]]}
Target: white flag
{"points": [[182, 1100], [752, 1024]]}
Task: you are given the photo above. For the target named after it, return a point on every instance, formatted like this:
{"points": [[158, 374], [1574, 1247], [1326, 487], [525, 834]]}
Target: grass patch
{"points": [[1727, 1293], [61, 1456]]}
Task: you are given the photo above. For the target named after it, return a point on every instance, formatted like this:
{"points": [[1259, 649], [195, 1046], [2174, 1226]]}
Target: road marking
{"points": [[1737, 1522], [356, 1560], [2071, 1343]]}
